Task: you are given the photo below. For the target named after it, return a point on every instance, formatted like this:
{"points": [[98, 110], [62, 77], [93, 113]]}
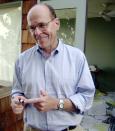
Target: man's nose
{"points": [[37, 31]]}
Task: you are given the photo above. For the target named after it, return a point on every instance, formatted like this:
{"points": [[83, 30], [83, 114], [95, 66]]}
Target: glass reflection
{"points": [[68, 21], [10, 40]]}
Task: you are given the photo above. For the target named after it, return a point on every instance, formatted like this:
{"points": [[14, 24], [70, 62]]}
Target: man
{"points": [[52, 82]]}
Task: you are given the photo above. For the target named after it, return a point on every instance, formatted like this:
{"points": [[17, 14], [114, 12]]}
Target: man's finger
{"points": [[32, 101], [43, 93]]}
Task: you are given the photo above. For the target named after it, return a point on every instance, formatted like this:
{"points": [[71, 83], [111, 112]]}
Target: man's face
{"points": [[43, 27]]}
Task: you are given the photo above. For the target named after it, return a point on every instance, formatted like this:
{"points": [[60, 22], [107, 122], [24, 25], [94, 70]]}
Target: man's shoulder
{"points": [[28, 51], [73, 49], [27, 54]]}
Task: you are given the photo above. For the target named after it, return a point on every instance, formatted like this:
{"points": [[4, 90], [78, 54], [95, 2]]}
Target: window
{"points": [[67, 18], [10, 39]]}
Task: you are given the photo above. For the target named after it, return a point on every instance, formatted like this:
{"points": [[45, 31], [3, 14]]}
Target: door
{"points": [[72, 15]]}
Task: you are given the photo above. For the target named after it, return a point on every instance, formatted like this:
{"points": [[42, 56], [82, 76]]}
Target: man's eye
{"points": [[32, 28], [42, 25]]}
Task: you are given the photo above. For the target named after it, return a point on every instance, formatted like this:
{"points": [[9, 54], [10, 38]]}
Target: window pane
{"points": [[67, 21], [10, 40]]}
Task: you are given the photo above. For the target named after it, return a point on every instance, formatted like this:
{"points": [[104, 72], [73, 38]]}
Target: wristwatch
{"points": [[61, 104]]}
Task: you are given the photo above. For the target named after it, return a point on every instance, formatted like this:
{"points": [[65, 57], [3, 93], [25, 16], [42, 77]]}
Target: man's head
{"points": [[43, 25]]}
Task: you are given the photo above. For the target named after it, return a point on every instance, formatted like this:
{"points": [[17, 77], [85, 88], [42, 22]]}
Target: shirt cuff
{"points": [[79, 107], [17, 94]]}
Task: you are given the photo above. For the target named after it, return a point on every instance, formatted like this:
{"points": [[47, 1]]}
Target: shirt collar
{"points": [[54, 52]]}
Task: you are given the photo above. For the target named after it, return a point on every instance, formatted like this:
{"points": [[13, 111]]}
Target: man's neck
{"points": [[52, 47]]}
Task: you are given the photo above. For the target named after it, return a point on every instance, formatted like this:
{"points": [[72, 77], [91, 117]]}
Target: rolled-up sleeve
{"points": [[85, 89]]}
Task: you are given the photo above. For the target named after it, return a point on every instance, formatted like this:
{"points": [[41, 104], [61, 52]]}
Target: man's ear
{"points": [[57, 21]]}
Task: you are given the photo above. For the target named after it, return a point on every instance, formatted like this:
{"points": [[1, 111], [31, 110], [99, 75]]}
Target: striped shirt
{"points": [[63, 74]]}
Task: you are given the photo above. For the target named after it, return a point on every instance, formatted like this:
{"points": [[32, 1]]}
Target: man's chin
{"points": [[42, 45]]}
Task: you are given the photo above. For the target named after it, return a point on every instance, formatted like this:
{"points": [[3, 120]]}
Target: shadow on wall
{"points": [[106, 80]]}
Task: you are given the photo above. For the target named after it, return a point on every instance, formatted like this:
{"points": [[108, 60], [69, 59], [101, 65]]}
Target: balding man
{"points": [[52, 82]]}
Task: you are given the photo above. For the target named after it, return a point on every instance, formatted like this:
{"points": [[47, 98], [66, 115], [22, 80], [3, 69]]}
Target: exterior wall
{"points": [[27, 40], [100, 50]]}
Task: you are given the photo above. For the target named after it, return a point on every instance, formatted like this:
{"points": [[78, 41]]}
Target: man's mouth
{"points": [[41, 37]]}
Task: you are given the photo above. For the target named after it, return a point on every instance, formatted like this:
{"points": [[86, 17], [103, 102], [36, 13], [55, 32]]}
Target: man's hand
{"points": [[17, 104], [46, 102]]}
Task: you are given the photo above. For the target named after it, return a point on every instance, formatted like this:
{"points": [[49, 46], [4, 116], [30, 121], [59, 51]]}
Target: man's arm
{"points": [[45, 103]]}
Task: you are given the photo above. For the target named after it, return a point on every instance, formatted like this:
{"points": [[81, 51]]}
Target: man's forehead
{"points": [[38, 11]]}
